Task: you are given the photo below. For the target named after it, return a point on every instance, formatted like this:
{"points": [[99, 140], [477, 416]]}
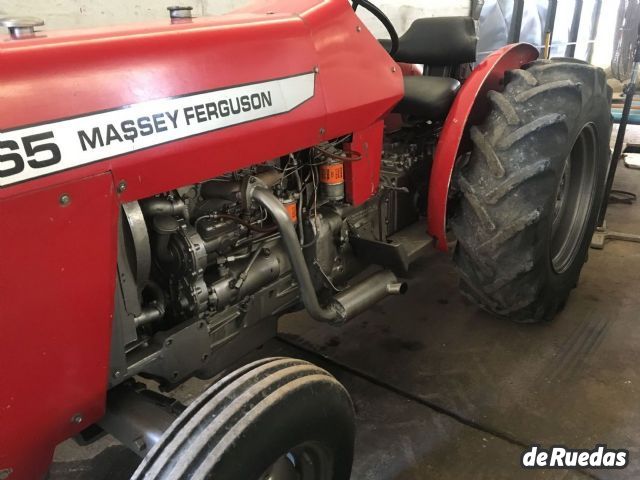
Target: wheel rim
{"points": [[309, 461], [574, 199]]}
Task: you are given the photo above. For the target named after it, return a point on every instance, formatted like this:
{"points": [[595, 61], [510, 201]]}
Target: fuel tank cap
{"points": [[179, 12], [21, 27]]}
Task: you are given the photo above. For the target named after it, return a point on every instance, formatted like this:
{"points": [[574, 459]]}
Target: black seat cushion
{"points": [[428, 97], [437, 41]]}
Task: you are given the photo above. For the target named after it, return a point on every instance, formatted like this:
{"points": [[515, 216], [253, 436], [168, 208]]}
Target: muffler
{"points": [[363, 295]]}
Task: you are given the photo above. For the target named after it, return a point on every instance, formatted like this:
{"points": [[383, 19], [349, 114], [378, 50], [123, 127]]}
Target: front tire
{"points": [[277, 419], [532, 189]]}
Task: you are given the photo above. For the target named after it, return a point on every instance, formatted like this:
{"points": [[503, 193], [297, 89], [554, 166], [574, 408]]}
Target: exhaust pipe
{"points": [[347, 304]]}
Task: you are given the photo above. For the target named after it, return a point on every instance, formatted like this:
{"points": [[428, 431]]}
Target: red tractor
{"points": [[168, 190]]}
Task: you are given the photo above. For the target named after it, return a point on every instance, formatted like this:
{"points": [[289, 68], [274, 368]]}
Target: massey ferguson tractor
{"points": [[169, 190]]}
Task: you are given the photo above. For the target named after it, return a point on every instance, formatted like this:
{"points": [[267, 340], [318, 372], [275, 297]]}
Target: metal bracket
{"points": [[249, 184], [602, 234]]}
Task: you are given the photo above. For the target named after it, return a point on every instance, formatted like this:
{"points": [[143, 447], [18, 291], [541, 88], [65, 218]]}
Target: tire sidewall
{"points": [[558, 285]]}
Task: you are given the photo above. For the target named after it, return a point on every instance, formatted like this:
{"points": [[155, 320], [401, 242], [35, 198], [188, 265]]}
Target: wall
{"points": [[402, 14], [603, 48], [86, 13]]}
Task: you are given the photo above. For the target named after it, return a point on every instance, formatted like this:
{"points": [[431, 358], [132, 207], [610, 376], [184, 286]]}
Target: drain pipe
{"points": [[348, 303]]}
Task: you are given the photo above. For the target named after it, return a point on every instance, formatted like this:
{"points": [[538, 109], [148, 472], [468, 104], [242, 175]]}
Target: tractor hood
{"points": [[199, 97]]}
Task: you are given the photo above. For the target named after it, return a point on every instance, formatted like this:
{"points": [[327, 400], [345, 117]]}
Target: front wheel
{"points": [[532, 189], [275, 419]]}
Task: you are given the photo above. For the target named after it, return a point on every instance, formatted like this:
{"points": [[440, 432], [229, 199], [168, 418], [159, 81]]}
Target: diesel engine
{"points": [[218, 262]]}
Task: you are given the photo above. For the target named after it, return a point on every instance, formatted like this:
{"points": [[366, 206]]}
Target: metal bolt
{"points": [[5, 472], [168, 342], [77, 418], [316, 69], [394, 69], [117, 374], [322, 131], [65, 199], [358, 28], [122, 186], [139, 444], [204, 357]]}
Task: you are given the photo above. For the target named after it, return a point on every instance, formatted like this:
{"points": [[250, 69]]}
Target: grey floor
{"points": [[443, 390]]}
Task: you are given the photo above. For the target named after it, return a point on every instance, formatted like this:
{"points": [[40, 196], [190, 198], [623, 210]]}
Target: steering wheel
{"points": [[379, 14]]}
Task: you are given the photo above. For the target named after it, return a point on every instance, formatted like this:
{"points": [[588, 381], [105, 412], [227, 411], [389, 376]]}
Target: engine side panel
{"points": [[362, 177], [56, 300]]}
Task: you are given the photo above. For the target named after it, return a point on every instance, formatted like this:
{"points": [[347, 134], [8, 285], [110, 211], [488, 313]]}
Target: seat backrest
{"points": [[439, 41]]}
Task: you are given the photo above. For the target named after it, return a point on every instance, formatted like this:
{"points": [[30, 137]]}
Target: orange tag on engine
{"points": [[332, 174], [292, 210]]}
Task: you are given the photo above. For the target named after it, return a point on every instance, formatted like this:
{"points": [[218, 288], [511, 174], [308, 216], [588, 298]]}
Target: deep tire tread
{"points": [[488, 152], [523, 76], [507, 232], [508, 185], [220, 414], [547, 88], [476, 203], [518, 178], [501, 103], [541, 123]]}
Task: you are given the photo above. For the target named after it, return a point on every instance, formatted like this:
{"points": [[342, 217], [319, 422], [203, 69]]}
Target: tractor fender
{"points": [[469, 107]]}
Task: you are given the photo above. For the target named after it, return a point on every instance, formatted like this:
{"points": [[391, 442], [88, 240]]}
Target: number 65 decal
{"points": [[13, 163]]}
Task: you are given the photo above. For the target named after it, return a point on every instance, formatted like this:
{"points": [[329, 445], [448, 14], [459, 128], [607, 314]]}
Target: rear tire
{"points": [[532, 188], [276, 418]]}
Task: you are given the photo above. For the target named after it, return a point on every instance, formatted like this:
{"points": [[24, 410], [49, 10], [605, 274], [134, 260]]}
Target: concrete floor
{"points": [[443, 390]]}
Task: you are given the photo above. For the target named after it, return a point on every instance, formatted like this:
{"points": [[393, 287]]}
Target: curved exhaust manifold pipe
{"points": [[345, 305]]}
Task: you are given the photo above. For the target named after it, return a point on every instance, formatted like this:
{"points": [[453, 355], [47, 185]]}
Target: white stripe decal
{"points": [[35, 151]]}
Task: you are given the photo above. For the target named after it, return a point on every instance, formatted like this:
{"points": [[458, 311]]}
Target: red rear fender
{"points": [[468, 109]]}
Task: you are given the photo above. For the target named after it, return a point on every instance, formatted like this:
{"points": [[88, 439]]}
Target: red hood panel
{"points": [[68, 74]]}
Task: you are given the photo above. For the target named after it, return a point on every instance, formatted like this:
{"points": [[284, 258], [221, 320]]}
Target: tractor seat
{"points": [[428, 97]]}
